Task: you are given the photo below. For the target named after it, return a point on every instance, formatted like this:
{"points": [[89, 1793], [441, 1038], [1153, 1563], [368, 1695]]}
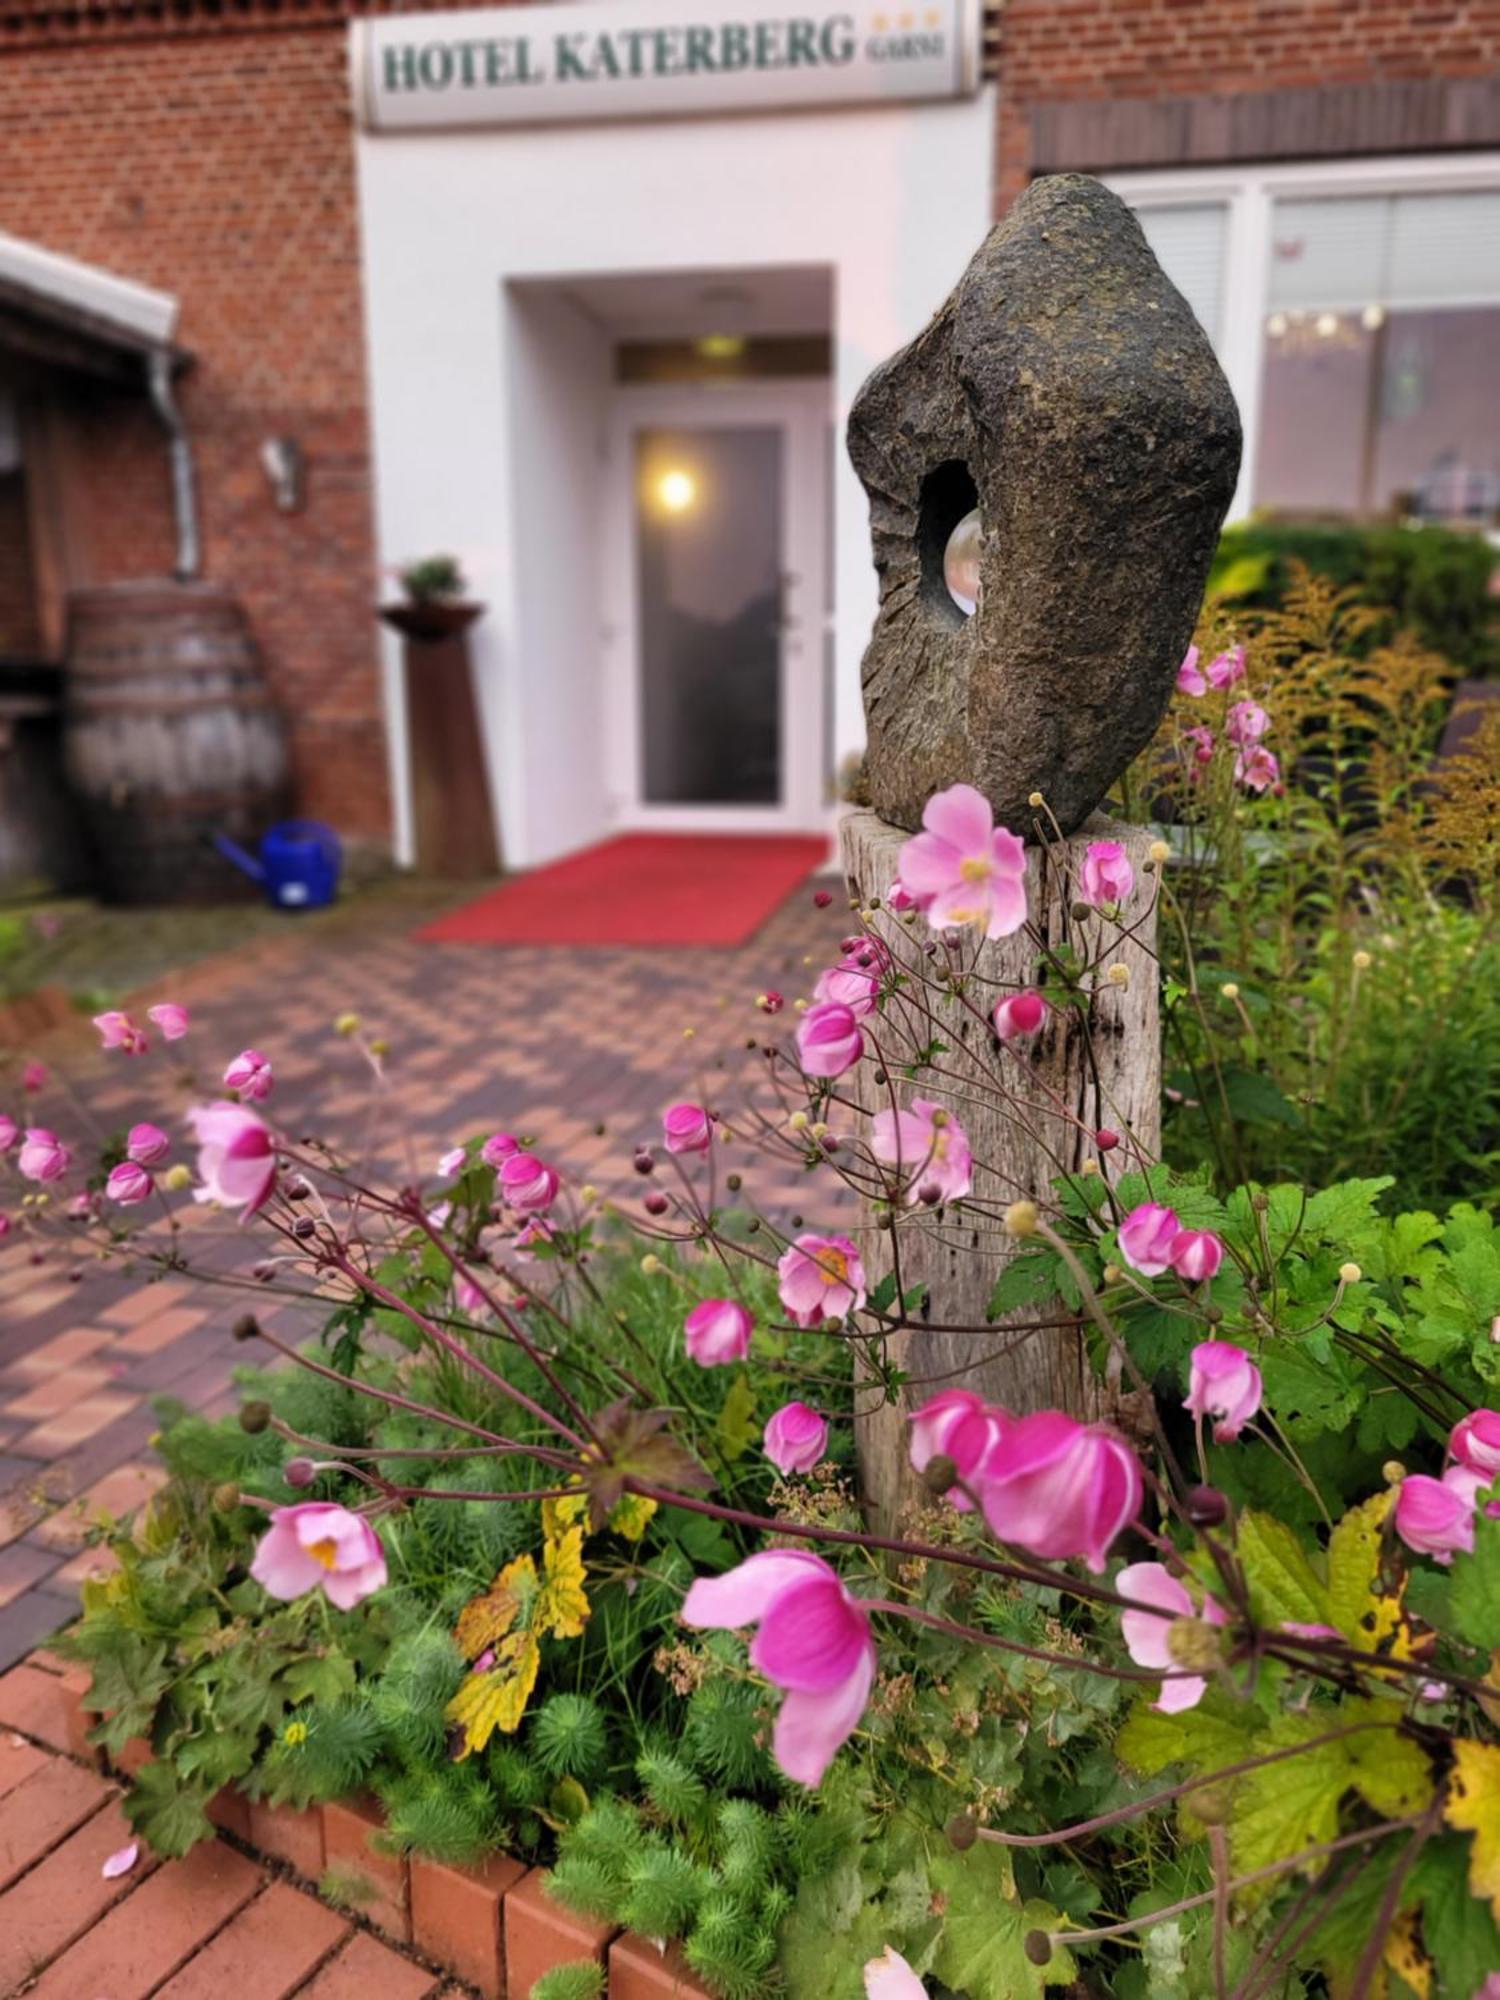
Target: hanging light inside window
{"points": [[676, 489]]}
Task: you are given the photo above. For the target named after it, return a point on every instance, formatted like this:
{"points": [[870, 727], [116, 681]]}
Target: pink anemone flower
{"points": [[10, 1132], [251, 1075], [528, 1184], [1474, 1442], [236, 1156], [820, 1277], [319, 1546], [1190, 675], [118, 1031], [498, 1148], [851, 986], [716, 1332], [171, 1019], [1196, 1255], [1224, 1383], [1226, 668], [1106, 877], [146, 1144], [1019, 1014], [1256, 768], [1246, 723], [1436, 1516], [1060, 1488], [687, 1128], [889, 1977], [829, 1039], [128, 1183], [959, 1425], [813, 1643], [928, 1143], [795, 1438], [964, 868], [1146, 1237], [1147, 1633], [43, 1156]]}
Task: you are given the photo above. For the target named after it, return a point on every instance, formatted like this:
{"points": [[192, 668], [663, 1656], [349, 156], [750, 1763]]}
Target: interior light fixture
{"points": [[721, 346], [676, 489]]}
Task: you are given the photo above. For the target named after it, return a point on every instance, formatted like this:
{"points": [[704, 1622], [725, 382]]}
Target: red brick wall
{"points": [[1053, 51], [220, 167]]}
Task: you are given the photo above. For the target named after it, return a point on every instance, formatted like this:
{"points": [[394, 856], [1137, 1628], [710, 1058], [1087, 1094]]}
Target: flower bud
{"points": [[254, 1417], [175, 1179], [346, 1024], [1229, 990], [1021, 1219], [939, 1473], [644, 1164], [304, 1227], [1038, 1948], [651, 1264], [380, 1046], [588, 1194], [962, 1831], [1362, 961], [1111, 1274], [226, 1497], [246, 1327], [1350, 1274], [798, 1121], [1090, 1166], [655, 1204], [1080, 912], [1160, 851], [734, 1182], [1117, 974], [299, 1472], [1206, 1507], [1106, 1140], [1035, 799], [1212, 1804]]}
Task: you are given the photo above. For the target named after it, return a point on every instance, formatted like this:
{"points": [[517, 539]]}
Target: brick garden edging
{"points": [[494, 1927]]}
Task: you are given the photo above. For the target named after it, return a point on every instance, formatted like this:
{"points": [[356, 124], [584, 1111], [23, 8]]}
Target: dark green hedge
{"points": [[1433, 580]]}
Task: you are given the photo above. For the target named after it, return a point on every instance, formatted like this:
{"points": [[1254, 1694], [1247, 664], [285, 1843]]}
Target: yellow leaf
{"points": [[1474, 1807], [496, 1699], [560, 1515], [633, 1516], [1388, 1770], [487, 1618], [1368, 1617], [562, 1607], [1405, 1957]]}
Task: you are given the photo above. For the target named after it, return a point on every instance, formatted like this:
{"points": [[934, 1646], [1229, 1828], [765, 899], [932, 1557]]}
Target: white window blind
{"points": [[1346, 253], [1188, 240]]}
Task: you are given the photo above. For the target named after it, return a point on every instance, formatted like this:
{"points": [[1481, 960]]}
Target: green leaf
{"points": [[982, 1950], [1292, 1804], [324, 1677], [1029, 1279], [1335, 1214], [170, 1816], [1284, 1586], [1215, 1733], [1388, 1770], [884, 1295], [1474, 1595], [129, 1682], [1458, 1928]]}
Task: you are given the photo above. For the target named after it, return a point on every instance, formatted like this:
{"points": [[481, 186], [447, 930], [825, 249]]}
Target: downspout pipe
{"points": [[180, 452]]}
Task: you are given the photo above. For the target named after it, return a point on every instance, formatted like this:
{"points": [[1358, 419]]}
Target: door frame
{"points": [[802, 409]]}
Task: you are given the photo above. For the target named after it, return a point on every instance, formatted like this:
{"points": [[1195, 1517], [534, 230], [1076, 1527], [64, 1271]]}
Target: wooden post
{"points": [[1109, 1076]]}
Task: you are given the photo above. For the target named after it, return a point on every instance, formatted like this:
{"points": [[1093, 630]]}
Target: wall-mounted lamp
{"points": [[285, 466]]}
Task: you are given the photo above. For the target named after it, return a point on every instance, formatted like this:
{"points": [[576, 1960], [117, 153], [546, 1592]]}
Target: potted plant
{"points": [[435, 606]]}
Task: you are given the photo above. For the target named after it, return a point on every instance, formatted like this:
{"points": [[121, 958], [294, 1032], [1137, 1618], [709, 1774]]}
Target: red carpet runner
{"points": [[642, 889]]}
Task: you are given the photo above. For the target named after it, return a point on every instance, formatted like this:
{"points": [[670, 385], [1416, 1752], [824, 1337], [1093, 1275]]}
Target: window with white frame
{"points": [[1357, 314]]}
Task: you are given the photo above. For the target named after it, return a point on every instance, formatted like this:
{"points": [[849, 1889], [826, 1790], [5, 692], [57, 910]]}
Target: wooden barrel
{"points": [[171, 737]]}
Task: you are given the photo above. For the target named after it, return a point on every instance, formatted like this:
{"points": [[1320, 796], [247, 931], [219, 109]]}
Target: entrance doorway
{"points": [[717, 602]]}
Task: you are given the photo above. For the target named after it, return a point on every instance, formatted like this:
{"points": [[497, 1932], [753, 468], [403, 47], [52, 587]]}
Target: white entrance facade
{"points": [[505, 270]]}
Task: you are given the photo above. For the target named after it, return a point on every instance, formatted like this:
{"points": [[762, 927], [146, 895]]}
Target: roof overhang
{"points": [[68, 314]]}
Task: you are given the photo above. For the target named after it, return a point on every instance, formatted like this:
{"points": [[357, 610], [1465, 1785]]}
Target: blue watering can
{"points": [[298, 866]]}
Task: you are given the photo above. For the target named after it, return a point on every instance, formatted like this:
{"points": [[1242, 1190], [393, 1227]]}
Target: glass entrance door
{"points": [[718, 585]]}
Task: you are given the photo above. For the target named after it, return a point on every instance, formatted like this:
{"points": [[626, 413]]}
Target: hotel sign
{"points": [[656, 58]]}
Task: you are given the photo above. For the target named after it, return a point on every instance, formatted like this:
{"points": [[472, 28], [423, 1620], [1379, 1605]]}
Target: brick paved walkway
{"points": [[217, 1922], [545, 1042]]}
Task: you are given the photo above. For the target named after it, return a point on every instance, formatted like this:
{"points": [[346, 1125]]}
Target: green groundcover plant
{"points": [[550, 1529]]}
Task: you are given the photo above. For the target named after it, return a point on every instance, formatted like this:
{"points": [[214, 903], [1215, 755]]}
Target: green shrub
{"points": [[1434, 581]]}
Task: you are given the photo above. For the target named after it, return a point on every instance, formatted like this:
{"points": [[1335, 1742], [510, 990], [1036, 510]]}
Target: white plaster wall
{"points": [[894, 200], [559, 395]]}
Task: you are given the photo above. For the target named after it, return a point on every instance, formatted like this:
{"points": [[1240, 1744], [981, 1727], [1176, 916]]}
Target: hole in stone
{"points": [[947, 540]]}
